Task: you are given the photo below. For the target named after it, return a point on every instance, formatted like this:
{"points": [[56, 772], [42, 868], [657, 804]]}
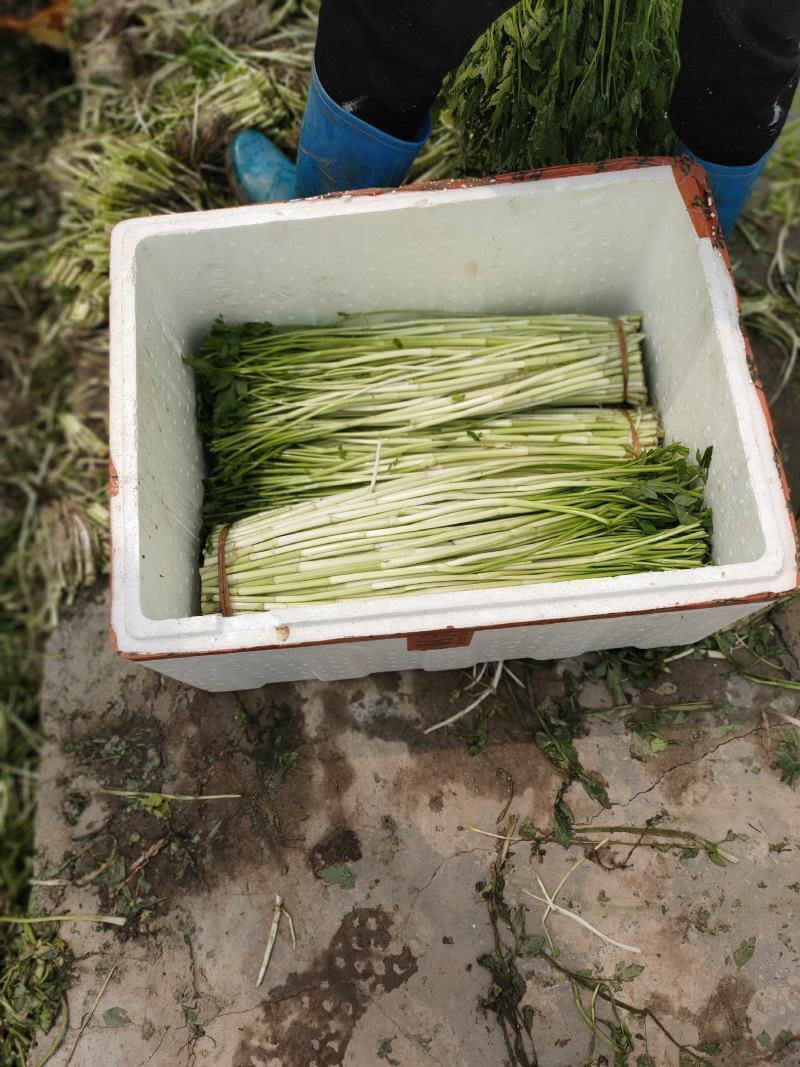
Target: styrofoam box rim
{"points": [[773, 573]]}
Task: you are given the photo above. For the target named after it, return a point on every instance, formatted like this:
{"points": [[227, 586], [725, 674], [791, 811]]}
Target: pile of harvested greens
{"points": [[383, 455], [265, 392]]}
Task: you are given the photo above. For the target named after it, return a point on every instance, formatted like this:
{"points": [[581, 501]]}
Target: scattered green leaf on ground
{"points": [[626, 972], [116, 1017], [712, 1048], [744, 953], [337, 874]]}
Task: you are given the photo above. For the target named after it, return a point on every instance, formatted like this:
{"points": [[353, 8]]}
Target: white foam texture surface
{"points": [[606, 243]]}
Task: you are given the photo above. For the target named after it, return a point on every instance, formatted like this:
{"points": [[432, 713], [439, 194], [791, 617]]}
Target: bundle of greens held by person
{"points": [[303, 411]]}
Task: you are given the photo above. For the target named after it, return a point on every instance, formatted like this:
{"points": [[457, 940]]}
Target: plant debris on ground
{"points": [[606, 1014]]}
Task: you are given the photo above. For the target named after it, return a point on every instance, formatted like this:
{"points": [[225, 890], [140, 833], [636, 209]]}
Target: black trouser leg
{"points": [[739, 71], [385, 60]]}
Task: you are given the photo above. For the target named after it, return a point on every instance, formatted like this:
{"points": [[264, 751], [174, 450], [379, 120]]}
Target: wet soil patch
{"points": [[310, 1018]]}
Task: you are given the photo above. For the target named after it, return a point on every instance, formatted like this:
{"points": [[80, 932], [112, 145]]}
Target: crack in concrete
{"points": [[238, 1011], [439, 865], [300, 992], [413, 1038], [600, 811], [158, 1046], [191, 1044], [686, 763]]}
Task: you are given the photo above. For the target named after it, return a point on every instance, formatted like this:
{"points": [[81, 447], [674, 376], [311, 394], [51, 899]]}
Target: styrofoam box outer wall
{"points": [[606, 243]]}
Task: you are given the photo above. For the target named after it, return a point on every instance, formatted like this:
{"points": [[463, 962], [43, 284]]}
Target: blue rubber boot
{"points": [[338, 151], [257, 170], [729, 185]]}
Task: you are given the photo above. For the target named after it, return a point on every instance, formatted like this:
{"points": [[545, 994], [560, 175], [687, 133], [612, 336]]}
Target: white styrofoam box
{"points": [[632, 235]]}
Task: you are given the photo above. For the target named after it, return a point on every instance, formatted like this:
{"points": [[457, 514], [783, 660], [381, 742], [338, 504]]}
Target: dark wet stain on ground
{"points": [[341, 845], [309, 1020], [724, 1017]]}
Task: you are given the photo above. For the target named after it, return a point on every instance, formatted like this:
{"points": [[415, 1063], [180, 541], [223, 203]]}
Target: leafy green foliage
{"points": [[554, 725], [285, 762], [751, 642], [527, 830], [32, 988], [155, 804], [475, 730], [647, 740], [622, 1038], [554, 736], [154, 123], [638, 666], [553, 83], [787, 758], [508, 986], [134, 756], [75, 803], [701, 922], [562, 819], [529, 945]]}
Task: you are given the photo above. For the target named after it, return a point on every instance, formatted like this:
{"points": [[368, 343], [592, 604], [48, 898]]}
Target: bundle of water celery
{"points": [[383, 455], [555, 439], [263, 389]]}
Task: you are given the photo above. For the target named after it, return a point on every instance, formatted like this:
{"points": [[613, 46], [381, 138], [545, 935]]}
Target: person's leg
{"points": [[386, 59], [740, 62], [378, 67]]}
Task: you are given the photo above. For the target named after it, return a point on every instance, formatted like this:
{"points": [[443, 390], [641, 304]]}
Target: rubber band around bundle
{"points": [[624, 358], [636, 442], [222, 575]]}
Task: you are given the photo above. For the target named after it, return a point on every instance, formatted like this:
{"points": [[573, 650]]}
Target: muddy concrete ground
{"points": [[361, 823]]}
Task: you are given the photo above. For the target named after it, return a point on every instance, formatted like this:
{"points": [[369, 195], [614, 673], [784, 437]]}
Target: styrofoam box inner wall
{"points": [[608, 244]]}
